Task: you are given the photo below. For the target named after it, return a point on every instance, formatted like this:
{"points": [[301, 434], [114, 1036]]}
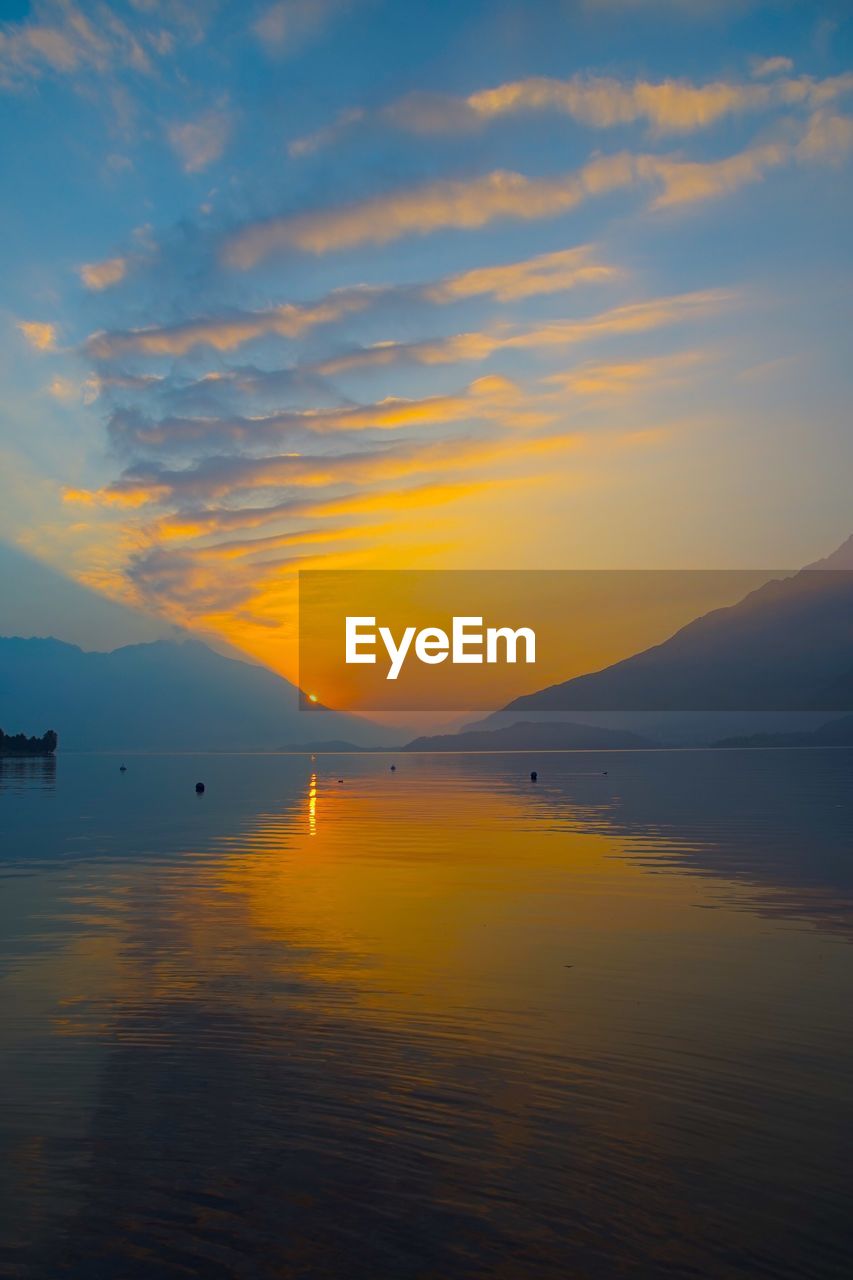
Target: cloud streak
{"points": [[460, 203], [546, 273], [488, 399], [60, 40], [472, 203], [220, 475], [229, 331], [632, 318], [667, 107]]}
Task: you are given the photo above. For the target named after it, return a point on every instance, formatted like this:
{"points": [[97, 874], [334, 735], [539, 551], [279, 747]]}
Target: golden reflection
{"points": [[440, 900], [312, 805]]}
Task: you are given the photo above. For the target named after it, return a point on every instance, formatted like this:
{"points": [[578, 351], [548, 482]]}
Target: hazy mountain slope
{"points": [[532, 736], [164, 695], [835, 733], [787, 646], [36, 599]]}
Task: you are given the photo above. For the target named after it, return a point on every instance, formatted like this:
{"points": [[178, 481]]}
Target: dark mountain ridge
{"points": [[166, 695], [835, 733], [788, 646], [535, 736]]}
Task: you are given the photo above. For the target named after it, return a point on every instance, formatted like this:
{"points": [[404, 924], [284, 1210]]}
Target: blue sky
{"points": [[376, 284]]}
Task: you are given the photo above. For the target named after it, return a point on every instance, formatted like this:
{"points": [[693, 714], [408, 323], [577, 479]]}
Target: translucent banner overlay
{"points": [[604, 640]]}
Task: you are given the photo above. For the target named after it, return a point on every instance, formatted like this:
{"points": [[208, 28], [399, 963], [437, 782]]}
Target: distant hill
{"points": [[534, 736], [787, 646], [167, 695], [38, 600], [835, 733]]}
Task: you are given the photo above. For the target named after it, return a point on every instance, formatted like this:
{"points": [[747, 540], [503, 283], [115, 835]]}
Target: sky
{"points": [[364, 284]]}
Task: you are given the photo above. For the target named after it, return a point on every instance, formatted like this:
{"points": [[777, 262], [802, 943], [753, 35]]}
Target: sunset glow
{"points": [[543, 297]]}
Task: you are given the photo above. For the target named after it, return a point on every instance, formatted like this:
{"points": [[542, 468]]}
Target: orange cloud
{"points": [[221, 476], [200, 523], [40, 335], [419, 210], [225, 333], [686, 183], [672, 106], [103, 275], [638, 317], [617, 378], [547, 273], [669, 106], [475, 202]]}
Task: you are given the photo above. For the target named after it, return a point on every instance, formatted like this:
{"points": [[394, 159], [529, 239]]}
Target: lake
{"points": [[428, 1024]]}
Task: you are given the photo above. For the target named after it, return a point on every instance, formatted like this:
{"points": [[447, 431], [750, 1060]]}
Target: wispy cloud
{"points": [[620, 378], [103, 275], [475, 202], [311, 142], [487, 399], [762, 67], [201, 522], [419, 210], [828, 138], [229, 331], [687, 182], [198, 143], [632, 318], [546, 273], [63, 389], [39, 334], [59, 39], [285, 26], [672, 106], [219, 475]]}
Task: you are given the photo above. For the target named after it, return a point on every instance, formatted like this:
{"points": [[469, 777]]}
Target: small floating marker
{"points": [[533, 775], [122, 768], [199, 788], [393, 768], [340, 779], [604, 775]]}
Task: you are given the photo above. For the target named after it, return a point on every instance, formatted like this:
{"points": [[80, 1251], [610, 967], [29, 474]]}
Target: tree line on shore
{"points": [[18, 744]]}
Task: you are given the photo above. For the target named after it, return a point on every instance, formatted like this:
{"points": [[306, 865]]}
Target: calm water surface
{"points": [[429, 1024]]}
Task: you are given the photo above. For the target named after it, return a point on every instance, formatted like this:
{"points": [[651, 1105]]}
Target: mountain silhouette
{"points": [[787, 646], [534, 736], [166, 695], [835, 733]]}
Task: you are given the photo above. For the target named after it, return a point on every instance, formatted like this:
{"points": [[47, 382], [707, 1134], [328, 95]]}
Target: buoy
{"points": [[393, 768], [340, 779], [199, 788], [533, 775], [122, 768]]}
